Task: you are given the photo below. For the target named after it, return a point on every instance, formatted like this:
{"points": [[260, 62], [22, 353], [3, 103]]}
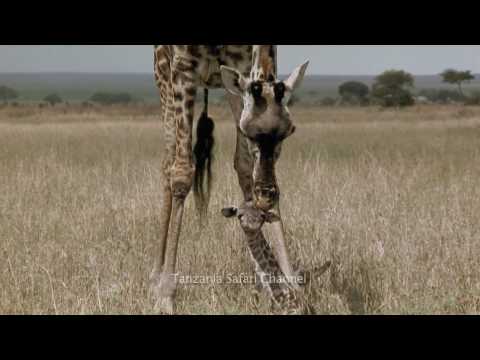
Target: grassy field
{"points": [[391, 197]]}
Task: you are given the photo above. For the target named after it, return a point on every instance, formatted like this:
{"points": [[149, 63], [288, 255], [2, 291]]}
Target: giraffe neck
{"points": [[270, 275], [264, 63]]}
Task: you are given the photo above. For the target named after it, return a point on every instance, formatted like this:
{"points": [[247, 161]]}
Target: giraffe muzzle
{"points": [[266, 197]]}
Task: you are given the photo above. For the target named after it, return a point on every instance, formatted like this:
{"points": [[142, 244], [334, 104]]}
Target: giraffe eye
{"points": [[256, 90], [279, 90]]}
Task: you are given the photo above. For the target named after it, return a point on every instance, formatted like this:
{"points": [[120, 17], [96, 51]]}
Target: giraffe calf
{"points": [[251, 218], [267, 270]]}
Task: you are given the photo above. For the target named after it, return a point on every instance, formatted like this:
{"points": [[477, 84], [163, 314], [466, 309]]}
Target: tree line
{"points": [[394, 88], [8, 94]]}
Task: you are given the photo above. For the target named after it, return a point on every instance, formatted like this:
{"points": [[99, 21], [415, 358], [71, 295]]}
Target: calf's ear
{"points": [[230, 212]]}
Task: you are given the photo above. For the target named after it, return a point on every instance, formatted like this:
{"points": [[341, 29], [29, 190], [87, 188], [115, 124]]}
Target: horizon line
{"points": [[148, 73]]}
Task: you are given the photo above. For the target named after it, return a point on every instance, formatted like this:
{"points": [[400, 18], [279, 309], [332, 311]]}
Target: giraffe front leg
{"points": [[166, 95], [181, 181], [243, 161], [280, 248]]}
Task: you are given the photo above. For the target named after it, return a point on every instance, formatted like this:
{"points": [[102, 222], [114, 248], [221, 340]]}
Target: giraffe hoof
{"points": [[163, 289], [164, 306]]}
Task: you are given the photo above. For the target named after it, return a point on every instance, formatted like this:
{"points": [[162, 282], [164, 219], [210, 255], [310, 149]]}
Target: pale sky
{"points": [[325, 59]]}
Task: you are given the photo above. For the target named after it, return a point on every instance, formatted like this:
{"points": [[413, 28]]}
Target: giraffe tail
{"points": [[203, 153]]}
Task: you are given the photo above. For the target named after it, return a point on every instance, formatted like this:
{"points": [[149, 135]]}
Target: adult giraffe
{"points": [[259, 104]]}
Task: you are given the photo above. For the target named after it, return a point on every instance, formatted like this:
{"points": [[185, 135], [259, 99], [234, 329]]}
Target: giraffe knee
{"points": [[182, 181]]}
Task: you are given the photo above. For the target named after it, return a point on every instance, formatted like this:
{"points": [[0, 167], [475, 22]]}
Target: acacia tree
{"points": [[53, 99], [393, 88], [7, 94], [354, 92], [456, 77]]}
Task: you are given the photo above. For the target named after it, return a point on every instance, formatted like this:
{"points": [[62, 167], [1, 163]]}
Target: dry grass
{"points": [[392, 197]]}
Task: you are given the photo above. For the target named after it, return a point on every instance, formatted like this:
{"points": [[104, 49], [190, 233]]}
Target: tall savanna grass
{"points": [[390, 197]]}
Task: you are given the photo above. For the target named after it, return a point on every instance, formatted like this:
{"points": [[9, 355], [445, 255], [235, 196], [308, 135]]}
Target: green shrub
{"points": [[442, 96], [354, 93], [328, 101], [105, 98], [7, 94], [53, 99], [392, 89]]}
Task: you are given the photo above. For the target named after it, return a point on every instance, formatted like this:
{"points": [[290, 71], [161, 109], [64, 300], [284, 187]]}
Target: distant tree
{"points": [[456, 77], [395, 78], [53, 99], [393, 89], [111, 98], [354, 92], [7, 94], [328, 101]]}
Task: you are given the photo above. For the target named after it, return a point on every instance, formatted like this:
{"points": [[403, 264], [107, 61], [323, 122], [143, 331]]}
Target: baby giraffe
{"points": [[268, 273]]}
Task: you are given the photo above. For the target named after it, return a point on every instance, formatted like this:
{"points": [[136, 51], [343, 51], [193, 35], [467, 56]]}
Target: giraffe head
{"points": [[251, 218], [265, 120]]}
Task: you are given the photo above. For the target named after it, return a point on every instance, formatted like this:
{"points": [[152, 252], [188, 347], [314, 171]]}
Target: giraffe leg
{"points": [[181, 181], [280, 248], [243, 161], [166, 95]]}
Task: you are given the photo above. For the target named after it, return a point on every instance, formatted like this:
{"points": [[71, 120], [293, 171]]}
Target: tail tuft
{"points": [[203, 153]]}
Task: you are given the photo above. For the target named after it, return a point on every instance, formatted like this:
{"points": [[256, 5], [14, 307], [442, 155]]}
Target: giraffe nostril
{"points": [[266, 192], [270, 192]]}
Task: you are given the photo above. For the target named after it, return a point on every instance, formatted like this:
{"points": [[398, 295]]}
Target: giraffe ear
{"points": [[230, 212], [233, 81], [296, 78]]}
